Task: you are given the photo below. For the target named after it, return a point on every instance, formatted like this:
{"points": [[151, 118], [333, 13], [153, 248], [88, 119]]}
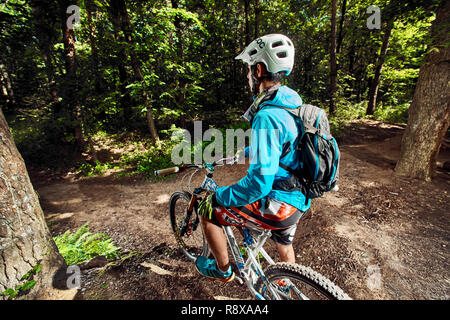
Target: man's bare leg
{"points": [[286, 252], [217, 243]]}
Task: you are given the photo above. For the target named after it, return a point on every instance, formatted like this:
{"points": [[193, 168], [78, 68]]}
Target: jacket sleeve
{"points": [[264, 153]]}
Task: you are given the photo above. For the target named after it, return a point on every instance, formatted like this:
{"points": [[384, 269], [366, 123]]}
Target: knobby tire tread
{"points": [[305, 274]]}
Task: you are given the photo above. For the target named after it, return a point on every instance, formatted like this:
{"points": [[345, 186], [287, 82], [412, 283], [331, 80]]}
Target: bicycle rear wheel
{"points": [[291, 281], [186, 226]]}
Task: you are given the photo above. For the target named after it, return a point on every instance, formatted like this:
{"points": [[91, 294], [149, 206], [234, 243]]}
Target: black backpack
{"points": [[318, 170]]}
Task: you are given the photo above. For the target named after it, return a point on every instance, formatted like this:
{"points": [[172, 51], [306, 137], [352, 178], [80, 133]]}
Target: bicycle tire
{"points": [[191, 242], [297, 273]]}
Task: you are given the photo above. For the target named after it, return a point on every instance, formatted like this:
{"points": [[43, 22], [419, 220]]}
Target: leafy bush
{"points": [[147, 162], [396, 114], [87, 169], [82, 245], [347, 110]]}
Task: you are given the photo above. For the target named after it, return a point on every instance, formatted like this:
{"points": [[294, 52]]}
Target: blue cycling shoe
{"points": [[208, 268]]}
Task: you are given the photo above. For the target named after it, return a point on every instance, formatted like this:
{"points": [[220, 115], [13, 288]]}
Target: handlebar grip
{"points": [[167, 171]]}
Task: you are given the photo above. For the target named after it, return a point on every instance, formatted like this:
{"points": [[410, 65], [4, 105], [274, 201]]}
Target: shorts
{"points": [[267, 213]]}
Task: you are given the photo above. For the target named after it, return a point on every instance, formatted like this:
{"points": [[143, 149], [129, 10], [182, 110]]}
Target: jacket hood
{"points": [[286, 98]]}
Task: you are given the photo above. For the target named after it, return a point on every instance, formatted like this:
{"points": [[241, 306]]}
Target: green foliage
{"points": [[25, 287], [395, 114], [145, 163], [97, 169], [82, 245], [185, 51]]}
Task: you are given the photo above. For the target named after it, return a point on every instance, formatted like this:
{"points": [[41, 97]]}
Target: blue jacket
{"points": [[272, 127]]}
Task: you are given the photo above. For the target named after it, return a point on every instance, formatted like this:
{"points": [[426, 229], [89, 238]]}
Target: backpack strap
{"points": [[266, 95]]}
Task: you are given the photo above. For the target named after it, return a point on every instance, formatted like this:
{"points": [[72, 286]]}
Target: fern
{"points": [[82, 246]]}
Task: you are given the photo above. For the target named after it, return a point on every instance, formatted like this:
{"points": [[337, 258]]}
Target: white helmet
{"points": [[276, 51]]}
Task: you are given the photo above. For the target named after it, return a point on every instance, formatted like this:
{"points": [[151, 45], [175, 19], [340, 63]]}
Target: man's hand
{"points": [[206, 206]]}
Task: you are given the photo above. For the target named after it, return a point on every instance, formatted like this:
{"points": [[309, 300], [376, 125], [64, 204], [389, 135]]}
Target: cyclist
{"points": [[266, 197]]}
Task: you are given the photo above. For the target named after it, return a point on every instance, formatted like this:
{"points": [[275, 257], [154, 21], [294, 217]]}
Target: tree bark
{"points": [[373, 91], [25, 240], [429, 113], [333, 67]]}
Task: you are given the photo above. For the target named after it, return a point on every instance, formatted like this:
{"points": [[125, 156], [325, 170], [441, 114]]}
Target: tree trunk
{"points": [[25, 241], [70, 85], [181, 82], [257, 18], [44, 29], [247, 23], [429, 113], [373, 91], [121, 6], [333, 68], [5, 81], [90, 7], [125, 99], [341, 26]]}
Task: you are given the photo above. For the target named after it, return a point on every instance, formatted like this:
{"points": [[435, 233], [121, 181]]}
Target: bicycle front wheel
{"points": [[291, 281], [186, 226]]}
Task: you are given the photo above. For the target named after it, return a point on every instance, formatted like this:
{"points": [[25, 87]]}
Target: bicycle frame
{"points": [[250, 270]]}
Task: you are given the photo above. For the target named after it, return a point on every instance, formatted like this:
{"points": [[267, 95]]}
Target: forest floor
{"points": [[379, 237]]}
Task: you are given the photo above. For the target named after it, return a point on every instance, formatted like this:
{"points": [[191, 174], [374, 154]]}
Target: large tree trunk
{"points": [[25, 241], [373, 91], [429, 112], [333, 67]]}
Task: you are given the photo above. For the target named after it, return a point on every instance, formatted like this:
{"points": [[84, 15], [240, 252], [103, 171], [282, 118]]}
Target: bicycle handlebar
{"points": [[226, 161], [163, 172]]}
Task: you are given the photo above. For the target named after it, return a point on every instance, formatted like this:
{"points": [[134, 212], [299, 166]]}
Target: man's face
{"points": [[249, 77]]}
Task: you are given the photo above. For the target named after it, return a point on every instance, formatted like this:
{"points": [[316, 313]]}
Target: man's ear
{"points": [[260, 70]]}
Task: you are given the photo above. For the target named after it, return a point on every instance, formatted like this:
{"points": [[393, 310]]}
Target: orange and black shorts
{"points": [[267, 213]]}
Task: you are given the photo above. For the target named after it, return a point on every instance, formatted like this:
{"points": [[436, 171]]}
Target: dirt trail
{"points": [[379, 237]]}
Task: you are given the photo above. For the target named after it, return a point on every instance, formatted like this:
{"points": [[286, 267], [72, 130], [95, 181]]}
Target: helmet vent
{"points": [[277, 44], [253, 52], [282, 54]]}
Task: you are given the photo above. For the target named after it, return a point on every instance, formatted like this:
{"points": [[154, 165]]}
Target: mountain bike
{"points": [[279, 281]]}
